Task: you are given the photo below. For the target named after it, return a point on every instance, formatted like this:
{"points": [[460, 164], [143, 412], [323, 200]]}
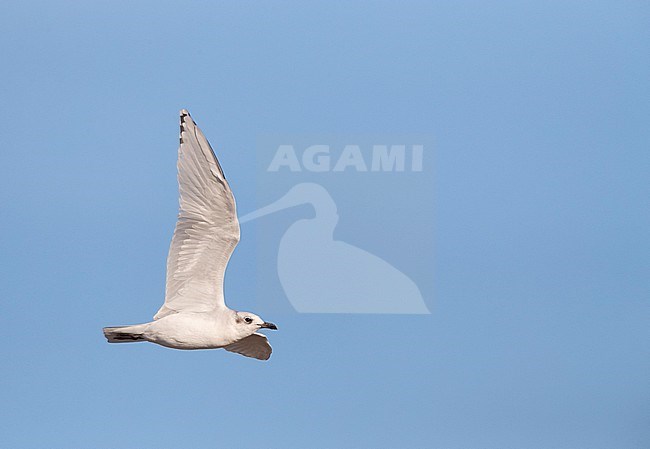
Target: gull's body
{"points": [[194, 315]]}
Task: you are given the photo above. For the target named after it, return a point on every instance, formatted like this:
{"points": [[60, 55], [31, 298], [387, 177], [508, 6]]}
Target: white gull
{"points": [[194, 315]]}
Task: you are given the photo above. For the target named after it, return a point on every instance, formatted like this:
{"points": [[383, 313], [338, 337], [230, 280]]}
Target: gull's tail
{"points": [[125, 334]]}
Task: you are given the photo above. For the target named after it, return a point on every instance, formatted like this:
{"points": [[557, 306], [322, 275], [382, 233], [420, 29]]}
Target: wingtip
{"points": [[183, 115]]}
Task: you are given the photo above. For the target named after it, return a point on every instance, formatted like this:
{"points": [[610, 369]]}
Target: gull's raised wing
{"points": [[255, 345], [207, 229]]}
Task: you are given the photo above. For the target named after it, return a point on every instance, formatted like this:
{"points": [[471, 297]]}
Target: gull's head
{"points": [[247, 321]]}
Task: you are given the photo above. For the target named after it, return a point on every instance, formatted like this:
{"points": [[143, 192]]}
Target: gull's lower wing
{"points": [[207, 229], [255, 345]]}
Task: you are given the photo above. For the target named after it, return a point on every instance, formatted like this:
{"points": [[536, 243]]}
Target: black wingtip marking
{"points": [[184, 114]]}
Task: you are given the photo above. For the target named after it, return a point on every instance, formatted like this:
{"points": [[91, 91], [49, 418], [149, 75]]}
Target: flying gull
{"points": [[194, 315]]}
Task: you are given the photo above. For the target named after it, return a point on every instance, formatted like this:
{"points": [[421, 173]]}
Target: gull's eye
{"points": [[248, 319]]}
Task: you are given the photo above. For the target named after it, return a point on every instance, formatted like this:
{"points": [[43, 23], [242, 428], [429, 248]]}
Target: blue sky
{"points": [[538, 336]]}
